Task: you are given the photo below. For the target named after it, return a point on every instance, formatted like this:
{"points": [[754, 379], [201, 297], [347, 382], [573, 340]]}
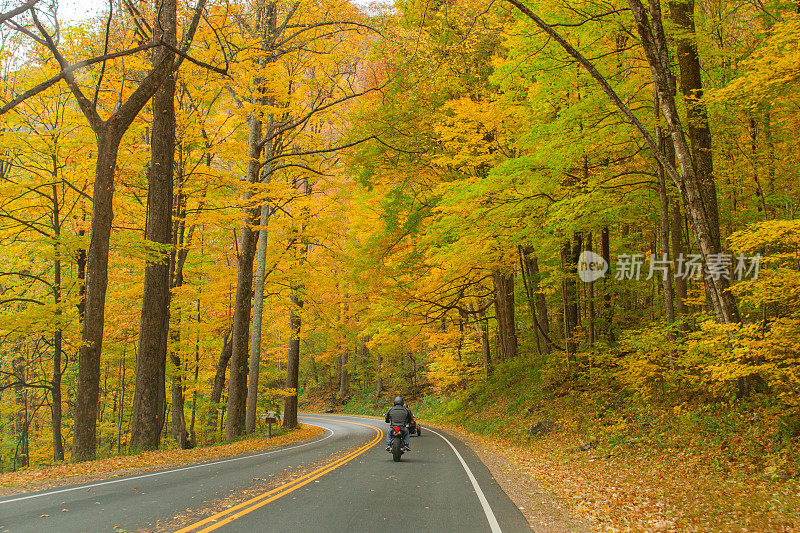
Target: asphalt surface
{"points": [[439, 486]]}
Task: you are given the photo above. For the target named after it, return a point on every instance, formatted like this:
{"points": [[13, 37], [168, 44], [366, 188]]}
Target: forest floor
{"points": [[34, 479], [561, 484], [576, 461]]}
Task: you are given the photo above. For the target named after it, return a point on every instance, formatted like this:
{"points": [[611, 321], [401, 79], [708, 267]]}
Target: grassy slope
{"points": [[648, 466]]}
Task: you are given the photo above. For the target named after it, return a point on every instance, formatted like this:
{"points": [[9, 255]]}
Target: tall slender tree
{"points": [[109, 133], [149, 397]]}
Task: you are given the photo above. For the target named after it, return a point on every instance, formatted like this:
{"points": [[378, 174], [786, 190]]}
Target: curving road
{"points": [[353, 486]]}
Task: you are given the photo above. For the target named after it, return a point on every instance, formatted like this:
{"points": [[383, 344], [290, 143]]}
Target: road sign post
{"points": [[270, 419]]}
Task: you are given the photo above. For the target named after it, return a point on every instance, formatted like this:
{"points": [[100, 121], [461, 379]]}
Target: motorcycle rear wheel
{"points": [[397, 449]]}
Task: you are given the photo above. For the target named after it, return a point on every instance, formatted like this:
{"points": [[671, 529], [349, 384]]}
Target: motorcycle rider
{"points": [[398, 415]]}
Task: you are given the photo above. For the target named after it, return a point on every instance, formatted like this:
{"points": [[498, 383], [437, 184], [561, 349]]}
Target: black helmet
{"points": [[398, 400]]}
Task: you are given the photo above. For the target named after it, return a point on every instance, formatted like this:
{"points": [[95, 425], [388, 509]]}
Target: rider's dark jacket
{"points": [[399, 415]]}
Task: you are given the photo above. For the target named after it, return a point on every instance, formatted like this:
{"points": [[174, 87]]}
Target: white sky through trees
{"points": [[72, 11]]}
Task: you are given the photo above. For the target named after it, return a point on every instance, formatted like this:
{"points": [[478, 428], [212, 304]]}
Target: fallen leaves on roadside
{"points": [[153, 460], [645, 488]]}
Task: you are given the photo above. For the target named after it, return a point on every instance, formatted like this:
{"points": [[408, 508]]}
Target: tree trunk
{"points": [[266, 28], [121, 407], [295, 323], [258, 303], [178, 429], [177, 261], [663, 200], [55, 415], [691, 84], [504, 311], [569, 261], [608, 308], [541, 304], [237, 384], [699, 133], [577, 248], [219, 379], [55, 383], [293, 361], [192, 435], [486, 349], [590, 297], [378, 374], [536, 301], [699, 196], [344, 376], [482, 329], [526, 282], [678, 250], [21, 414], [84, 442], [258, 313], [337, 375], [80, 264], [149, 396], [565, 299]]}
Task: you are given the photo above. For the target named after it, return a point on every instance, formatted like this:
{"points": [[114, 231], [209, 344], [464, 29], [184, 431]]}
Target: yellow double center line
{"points": [[237, 511]]}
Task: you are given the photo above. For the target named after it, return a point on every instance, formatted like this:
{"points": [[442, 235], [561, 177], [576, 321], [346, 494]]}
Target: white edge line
{"points": [[162, 472], [487, 509]]}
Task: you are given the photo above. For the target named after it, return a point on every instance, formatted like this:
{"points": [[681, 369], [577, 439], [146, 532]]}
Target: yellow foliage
{"points": [[712, 359], [773, 66], [779, 279]]}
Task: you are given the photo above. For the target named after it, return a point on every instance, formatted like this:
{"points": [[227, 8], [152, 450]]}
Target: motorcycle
{"points": [[414, 429], [396, 447]]}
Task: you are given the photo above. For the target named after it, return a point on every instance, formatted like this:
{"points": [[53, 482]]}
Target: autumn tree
{"points": [[109, 133], [42, 165]]}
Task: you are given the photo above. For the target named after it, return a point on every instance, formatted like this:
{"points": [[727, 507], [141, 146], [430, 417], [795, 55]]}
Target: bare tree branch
{"points": [[105, 52], [183, 55], [23, 300], [8, 15]]}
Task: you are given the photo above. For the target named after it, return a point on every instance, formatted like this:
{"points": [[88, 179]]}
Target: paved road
{"points": [[440, 486]]}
